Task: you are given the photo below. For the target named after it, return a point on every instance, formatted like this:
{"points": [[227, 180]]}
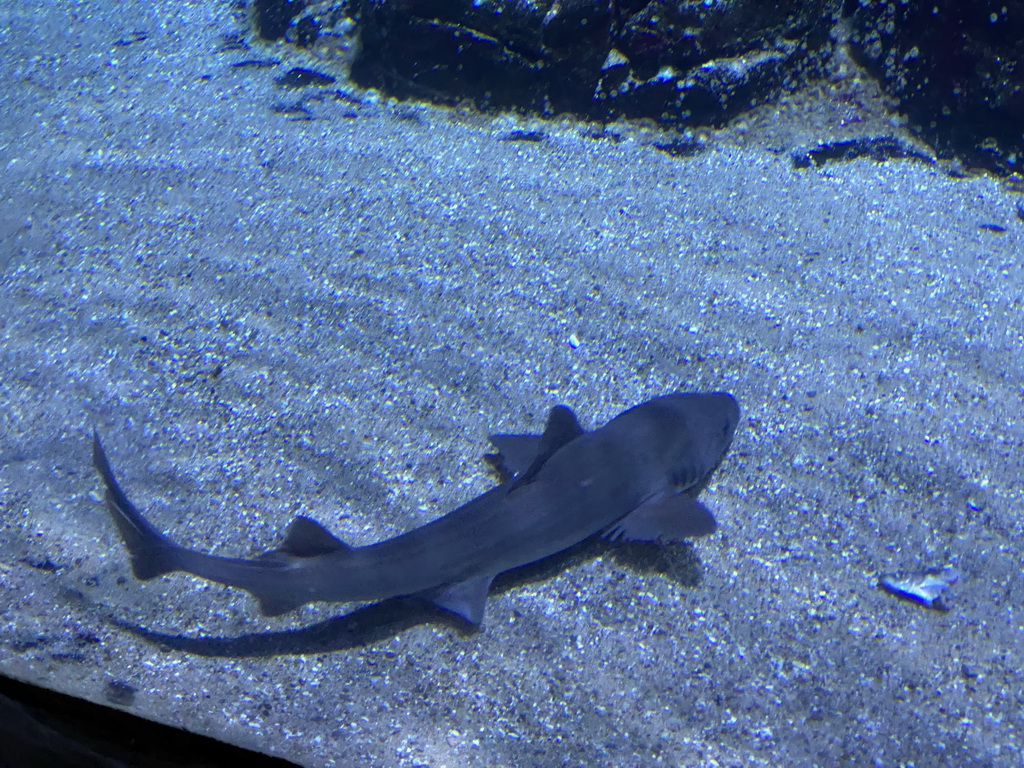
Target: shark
{"points": [[636, 478]]}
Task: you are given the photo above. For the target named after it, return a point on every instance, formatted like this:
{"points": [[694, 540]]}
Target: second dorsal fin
{"points": [[307, 538]]}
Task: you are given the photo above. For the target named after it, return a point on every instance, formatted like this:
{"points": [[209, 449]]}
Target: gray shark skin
{"points": [[636, 478]]}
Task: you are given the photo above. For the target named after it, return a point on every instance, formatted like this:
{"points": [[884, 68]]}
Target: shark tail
{"points": [[152, 554]]}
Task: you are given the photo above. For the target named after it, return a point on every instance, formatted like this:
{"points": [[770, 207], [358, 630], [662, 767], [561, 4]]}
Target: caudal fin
{"points": [[152, 553]]}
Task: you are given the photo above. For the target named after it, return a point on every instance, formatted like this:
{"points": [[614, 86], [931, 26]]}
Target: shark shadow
{"points": [[371, 624]]}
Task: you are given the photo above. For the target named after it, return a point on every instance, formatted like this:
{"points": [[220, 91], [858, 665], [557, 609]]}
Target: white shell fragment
{"points": [[925, 587]]}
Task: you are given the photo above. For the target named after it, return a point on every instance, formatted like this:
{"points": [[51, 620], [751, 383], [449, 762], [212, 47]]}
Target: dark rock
{"points": [[679, 147], [954, 68], [676, 61], [951, 67], [990, 227], [273, 17], [300, 77], [878, 148], [526, 136], [120, 693], [256, 64]]}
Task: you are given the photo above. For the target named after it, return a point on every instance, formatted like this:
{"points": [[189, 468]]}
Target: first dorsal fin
{"points": [[307, 538], [562, 428]]}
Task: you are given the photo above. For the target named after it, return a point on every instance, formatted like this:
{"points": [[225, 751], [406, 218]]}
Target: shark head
{"points": [[688, 433], [702, 428]]}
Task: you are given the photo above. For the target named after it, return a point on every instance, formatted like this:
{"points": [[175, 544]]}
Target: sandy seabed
{"points": [[267, 317]]}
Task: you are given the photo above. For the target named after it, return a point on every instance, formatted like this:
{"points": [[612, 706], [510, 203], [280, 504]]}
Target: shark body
{"points": [[635, 478]]}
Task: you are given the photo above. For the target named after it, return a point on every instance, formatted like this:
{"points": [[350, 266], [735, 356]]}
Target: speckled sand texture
{"points": [[267, 317]]}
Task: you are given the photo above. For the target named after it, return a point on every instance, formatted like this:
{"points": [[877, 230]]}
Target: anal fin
{"points": [[305, 538], [275, 605]]}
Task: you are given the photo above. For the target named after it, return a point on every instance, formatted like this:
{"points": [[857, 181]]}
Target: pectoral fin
{"points": [[465, 598], [668, 518]]}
